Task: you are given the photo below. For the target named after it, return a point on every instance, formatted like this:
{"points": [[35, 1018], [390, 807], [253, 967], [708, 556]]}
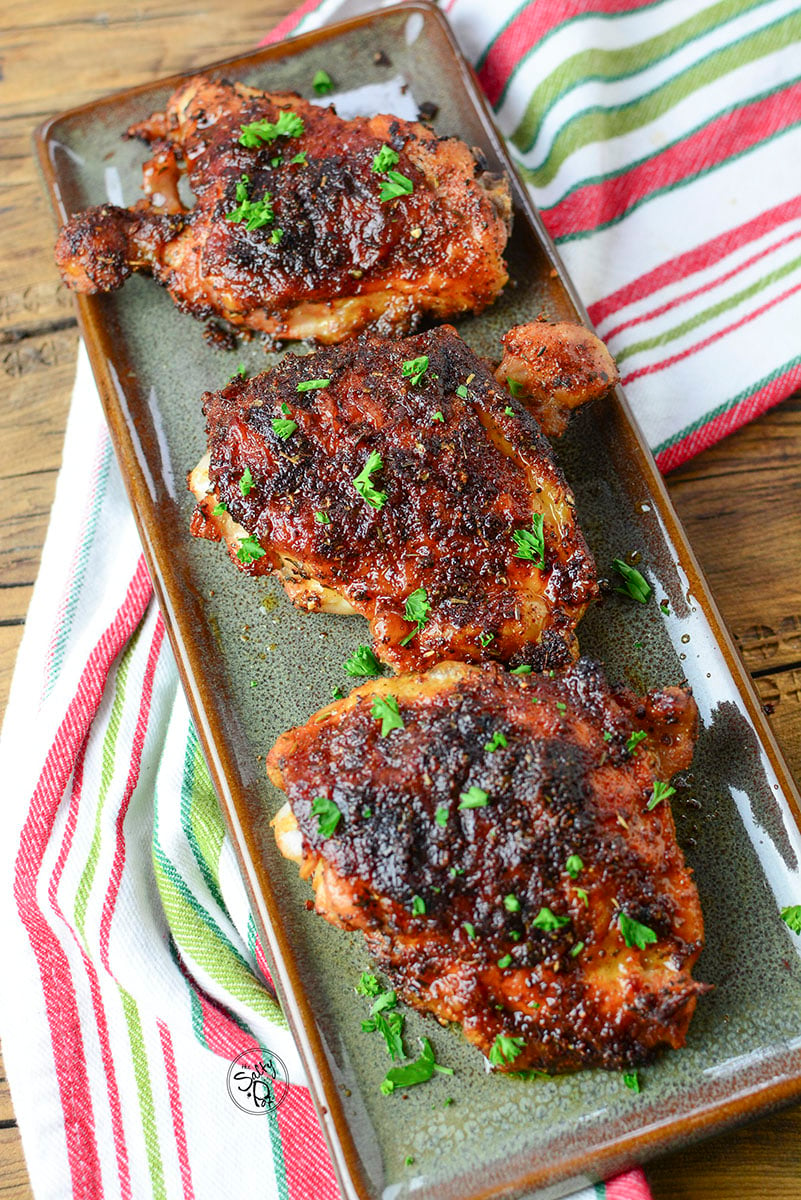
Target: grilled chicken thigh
{"points": [[399, 481], [505, 845], [304, 225]]}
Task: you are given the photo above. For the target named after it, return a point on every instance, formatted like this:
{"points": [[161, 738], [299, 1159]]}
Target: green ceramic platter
{"points": [[253, 665]]}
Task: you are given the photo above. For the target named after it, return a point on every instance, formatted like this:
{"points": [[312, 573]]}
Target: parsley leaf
{"points": [[632, 1081], [313, 385], [414, 369], [283, 428], [549, 921], [385, 710], [486, 638], [639, 735], [327, 814], [792, 917], [582, 895], [635, 934], [299, 158], [576, 950], [437, 416], [395, 186], [506, 1049], [322, 518], [517, 389], [249, 550], [474, 797], [511, 903], [462, 391], [368, 985], [505, 961], [219, 509], [246, 482], [289, 124], [510, 412], [498, 739], [390, 1026], [573, 866], [661, 792], [362, 662], [419, 1071], [276, 236], [364, 484], [417, 609], [531, 542], [441, 815], [255, 213], [522, 670], [634, 585], [322, 83], [418, 906], [385, 159], [469, 929]]}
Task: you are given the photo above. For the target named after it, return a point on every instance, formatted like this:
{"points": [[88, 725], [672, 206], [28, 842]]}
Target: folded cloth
{"points": [[657, 140]]}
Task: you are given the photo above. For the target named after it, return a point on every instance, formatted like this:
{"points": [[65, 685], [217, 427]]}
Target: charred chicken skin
{"points": [[304, 225], [499, 845], [400, 481]]}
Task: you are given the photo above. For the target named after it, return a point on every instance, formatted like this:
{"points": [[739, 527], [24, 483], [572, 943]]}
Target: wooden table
{"points": [[741, 501]]}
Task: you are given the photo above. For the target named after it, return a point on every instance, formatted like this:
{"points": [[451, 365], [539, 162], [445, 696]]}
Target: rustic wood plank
{"points": [[14, 1183]]}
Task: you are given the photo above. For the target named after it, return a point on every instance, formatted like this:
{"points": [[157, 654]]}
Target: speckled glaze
{"points": [[254, 665]]}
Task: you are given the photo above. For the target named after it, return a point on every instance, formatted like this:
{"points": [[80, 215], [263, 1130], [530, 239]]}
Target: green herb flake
{"points": [[496, 742], [506, 1049], [510, 412], [438, 416], [364, 484], [327, 814], [313, 385], [792, 917], [505, 961], [299, 159], [409, 1159], [576, 950], [635, 934], [517, 389], [474, 797], [322, 518], [462, 391], [582, 895], [246, 482], [253, 213], [419, 1071], [414, 369], [390, 1026], [385, 159], [560, 704], [322, 83], [524, 670], [418, 906], [239, 373], [417, 610], [368, 985], [531, 542], [634, 740], [634, 585], [385, 709], [632, 1081], [249, 550], [486, 638], [469, 929], [574, 866], [549, 921], [660, 793], [665, 606], [396, 185], [511, 903], [219, 509], [383, 1001], [283, 428], [276, 237], [441, 815], [289, 124], [362, 662], [337, 693], [607, 736]]}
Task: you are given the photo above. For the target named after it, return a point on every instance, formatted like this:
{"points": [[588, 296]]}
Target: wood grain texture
{"points": [[740, 501]]}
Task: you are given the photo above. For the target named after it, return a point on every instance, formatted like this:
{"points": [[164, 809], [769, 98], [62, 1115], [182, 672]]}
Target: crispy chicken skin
{"points": [[462, 467], [563, 784], [344, 260], [554, 368]]}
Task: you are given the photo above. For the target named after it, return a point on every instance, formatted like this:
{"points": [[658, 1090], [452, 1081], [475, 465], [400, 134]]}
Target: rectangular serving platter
{"points": [[253, 665]]}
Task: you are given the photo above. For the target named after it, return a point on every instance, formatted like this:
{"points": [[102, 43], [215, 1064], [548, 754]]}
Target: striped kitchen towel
{"points": [[660, 140]]}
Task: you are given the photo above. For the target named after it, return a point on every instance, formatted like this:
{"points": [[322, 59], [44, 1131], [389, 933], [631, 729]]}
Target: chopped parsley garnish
{"points": [[549, 921], [368, 985], [408, 1160], [364, 484], [327, 814], [249, 550], [576, 950], [582, 895], [219, 509], [437, 416], [632, 1081], [635, 738], [385, 159], [283, 428], [239, 373], [385, 710], [469, 929], [792, 917], [362, 662], [289, 124], [299, 158], [414, 369], [276, 236], [486, 638], [417, 610], [505, 961], [635, 934], [419, 1071], [607, 736], [661, 792], [246, 482], [560, 704], [510, 412], [337, 693], [497, 740], [462, 391], [312, 385], [511, 903], [441, 815], [517, 389], [322, 518], [573, 866], [418, 906], [531, 542], [474, 797], [634, 585], [523, 670], [395, 185], [322, 83], [255, 213], [390, 1025], [665, 606], [506, 1049]]}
